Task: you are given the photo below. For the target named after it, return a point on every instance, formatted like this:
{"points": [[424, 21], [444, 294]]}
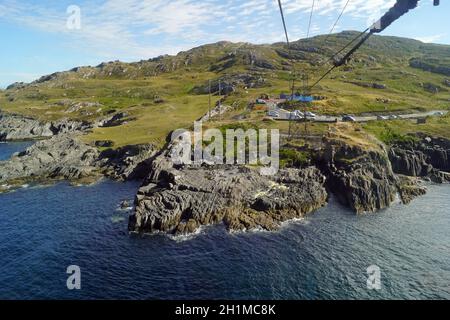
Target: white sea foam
{"points": [[176, 238], [187, 237], [117, 219], [126, 209], [294, 221], [86, 185]]}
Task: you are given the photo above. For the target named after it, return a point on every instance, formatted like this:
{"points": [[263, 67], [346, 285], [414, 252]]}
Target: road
{"points": [[285, 115]]}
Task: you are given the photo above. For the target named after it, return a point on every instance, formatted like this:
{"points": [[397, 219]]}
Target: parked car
{"points": [[439, 113], [273, 113], [393, 117], [348, 118], [299, 113], [310, 114], [382, 118]]}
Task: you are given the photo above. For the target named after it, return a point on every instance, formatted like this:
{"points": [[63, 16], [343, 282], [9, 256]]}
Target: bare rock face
{"points": [[361, 178], [229, 83], [16, 127], [62, 156], [127, 163], [410, 188], [178, 200], [428, 158]]}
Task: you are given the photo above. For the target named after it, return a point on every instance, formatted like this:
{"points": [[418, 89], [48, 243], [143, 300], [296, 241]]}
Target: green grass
{"points": [[153, 124], [294, 158], [397, 130]]}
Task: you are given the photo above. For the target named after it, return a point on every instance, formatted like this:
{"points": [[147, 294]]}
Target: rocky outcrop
{"points": [[253, 59], [410, 188], [16, 85], [61, 157], [373, 85], [64, 156], [361, 177], [127, 163], [432, 88], [178, 200], [17, 127], [291, 55], [114, 120], [229, 84], [430, 66], [427, 158]]}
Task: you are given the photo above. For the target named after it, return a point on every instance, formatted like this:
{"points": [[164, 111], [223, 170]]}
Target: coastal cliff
{"points": [[427, 157], [362, 179], [179, 200], [367, 176], [352, 165]]}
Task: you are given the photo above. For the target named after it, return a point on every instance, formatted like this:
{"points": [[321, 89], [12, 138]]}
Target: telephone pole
{"points": [[294, 75], [209, 108], [220, 100], [305, 95]]}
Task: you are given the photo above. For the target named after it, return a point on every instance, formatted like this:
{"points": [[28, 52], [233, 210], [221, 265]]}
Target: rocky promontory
{"points": [[179, 200], [18, 127], [351, 164], [66, 156], [426, 157], [60, 153], [367, 176], [62, 156], [361, 178]]}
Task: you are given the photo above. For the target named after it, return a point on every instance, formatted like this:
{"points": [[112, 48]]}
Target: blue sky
{"points": [[36, 40]]}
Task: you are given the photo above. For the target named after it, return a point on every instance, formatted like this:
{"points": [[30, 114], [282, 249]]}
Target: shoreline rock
{"points": [[428, 158], [59, 153], [179, 200], [63, 156], [361, 178], [410, 188], [127, 163], [17, 127]]}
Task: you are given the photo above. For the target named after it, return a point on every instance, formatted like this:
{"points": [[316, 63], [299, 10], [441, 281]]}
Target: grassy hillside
{"points": [[170, 92]]}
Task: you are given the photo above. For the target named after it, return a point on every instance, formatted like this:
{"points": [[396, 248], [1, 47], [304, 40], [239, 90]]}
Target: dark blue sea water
{"points": [[7, 149], [44, 230]]}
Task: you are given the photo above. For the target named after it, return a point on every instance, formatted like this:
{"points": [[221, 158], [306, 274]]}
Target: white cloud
{"points": [[431, 38], [135, 29]]}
